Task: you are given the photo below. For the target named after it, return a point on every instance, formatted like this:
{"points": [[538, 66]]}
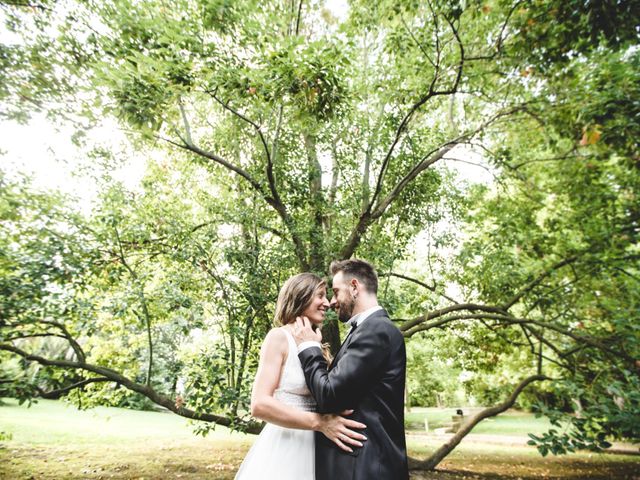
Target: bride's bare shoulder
{"points": [[276, 339]]}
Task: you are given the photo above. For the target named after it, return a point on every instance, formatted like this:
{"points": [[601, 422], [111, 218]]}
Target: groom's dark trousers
{"points": [[368, 376]]}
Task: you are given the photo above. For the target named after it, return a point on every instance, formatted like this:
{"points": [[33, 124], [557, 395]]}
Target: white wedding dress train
{"points": [[284, 453]]}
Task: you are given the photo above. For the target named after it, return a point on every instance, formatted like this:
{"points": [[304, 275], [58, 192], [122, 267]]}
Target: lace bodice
{"points": [[292, 389]]}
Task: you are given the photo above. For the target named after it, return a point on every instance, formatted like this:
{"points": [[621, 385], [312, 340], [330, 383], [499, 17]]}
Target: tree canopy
{"points": [[280, 138]]}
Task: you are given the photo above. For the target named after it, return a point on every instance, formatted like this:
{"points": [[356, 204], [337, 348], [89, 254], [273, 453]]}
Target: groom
{"points": [[367, 375]]}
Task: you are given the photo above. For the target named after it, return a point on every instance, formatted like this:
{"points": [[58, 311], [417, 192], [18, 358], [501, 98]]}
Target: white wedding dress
{"points": [[284, 453]]}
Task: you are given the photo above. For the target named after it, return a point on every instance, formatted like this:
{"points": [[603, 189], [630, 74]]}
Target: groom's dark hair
{"points": [[359, 269]]}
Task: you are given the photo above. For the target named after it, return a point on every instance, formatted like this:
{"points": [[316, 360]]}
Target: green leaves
{"points": [[281, 139], [141, 99], [552, 32], [607, 409], [306, 76]]}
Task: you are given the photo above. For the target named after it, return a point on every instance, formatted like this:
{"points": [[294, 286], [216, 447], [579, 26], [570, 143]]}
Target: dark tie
{"points": [[353, 328]]}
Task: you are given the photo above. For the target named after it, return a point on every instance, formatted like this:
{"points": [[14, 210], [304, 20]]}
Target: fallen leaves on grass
{"points": [[220, 466]]}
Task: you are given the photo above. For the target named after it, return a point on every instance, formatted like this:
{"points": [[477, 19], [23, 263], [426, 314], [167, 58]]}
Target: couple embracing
{"points": [[330, 419]]}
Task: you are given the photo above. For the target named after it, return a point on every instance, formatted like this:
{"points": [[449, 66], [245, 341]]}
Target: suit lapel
{"points": [[339, 353], [349, 337]]}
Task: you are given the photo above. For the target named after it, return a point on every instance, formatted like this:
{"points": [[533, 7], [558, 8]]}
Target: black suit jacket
{"points": [[368, 376]]}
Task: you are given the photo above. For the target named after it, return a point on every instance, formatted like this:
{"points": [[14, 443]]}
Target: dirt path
{"points": [[513, 441]]}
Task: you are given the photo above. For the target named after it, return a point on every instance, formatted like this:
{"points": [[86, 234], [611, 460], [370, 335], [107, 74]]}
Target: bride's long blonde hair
{"points": [[295, 296]]}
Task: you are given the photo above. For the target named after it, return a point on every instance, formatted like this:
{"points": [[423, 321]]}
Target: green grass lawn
{"points": [[511, 422], [55, 422], [51, 440]]}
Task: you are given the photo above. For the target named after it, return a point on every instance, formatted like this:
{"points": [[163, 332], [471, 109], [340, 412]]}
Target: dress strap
{"points": [[293, 348]]}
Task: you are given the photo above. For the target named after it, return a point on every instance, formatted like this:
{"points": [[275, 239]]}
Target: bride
{"points": [[285, 448]]}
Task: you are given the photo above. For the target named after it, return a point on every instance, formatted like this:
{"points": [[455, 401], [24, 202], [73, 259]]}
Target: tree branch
{"points": [[72, 341], [535, 282], [145, 390], [504, 318], [244, 118], [56, 394], [418, 44], [431, 93], [32, 335], [432, 288], [432, 157], [501, 36], [217, 159], [272, 158], [23, 4], [299, 17], [185, 121], [431, 462], [146, 319], [373, 213], [419, 321], [274, 200]]}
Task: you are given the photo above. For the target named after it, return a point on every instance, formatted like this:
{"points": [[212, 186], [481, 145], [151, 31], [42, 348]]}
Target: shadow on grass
{"points": [[52, 441]]}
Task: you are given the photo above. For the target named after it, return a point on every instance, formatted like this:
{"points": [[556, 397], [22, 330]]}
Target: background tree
{"points": [[314, 139]]}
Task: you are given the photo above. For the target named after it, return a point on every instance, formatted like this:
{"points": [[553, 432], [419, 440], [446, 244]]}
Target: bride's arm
{"points": [[266, 407], [263, 403]]}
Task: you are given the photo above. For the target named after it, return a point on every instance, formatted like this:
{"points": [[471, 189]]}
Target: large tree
{"points": [[321, 138]]}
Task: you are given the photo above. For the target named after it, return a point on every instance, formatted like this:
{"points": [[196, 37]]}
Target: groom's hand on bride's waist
{"points": [[341, 430]]}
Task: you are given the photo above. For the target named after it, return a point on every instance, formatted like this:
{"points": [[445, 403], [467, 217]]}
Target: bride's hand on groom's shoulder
{"points": [[340, 431]]}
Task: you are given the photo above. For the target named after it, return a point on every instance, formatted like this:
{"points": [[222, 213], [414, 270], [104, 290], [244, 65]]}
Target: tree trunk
{"points": [[318, 258], [316, 201], [331, 335], [407, 401]]}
